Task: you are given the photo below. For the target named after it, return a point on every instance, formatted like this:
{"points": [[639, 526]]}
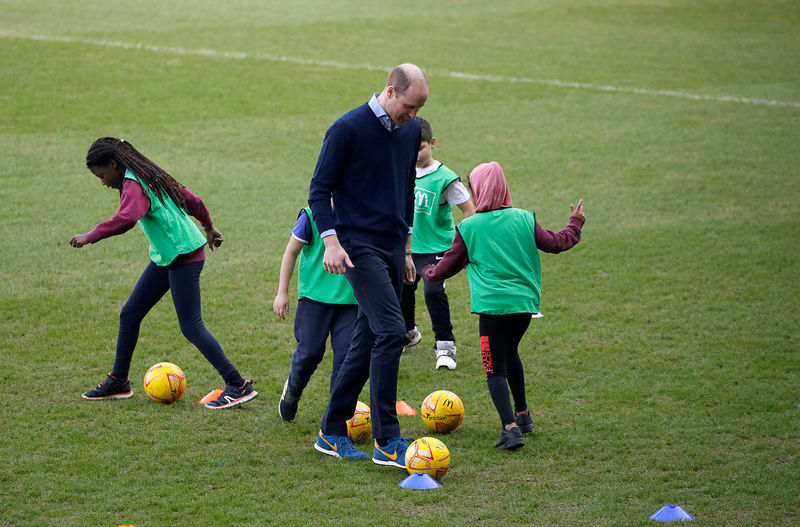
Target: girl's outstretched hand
{"points": [[577, 212], [79, 240], [214, 238]]}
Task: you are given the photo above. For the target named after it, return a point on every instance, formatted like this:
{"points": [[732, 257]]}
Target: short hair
{"points": [[400, 79], [427, 131]]}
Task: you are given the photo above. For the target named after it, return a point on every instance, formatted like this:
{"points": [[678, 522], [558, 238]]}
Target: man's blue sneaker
{"points": [[338, 446], [393, 454]]}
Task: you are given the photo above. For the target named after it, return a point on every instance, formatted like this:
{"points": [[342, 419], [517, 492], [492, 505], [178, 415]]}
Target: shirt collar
{"points": [[380, 113], [422, 172]]}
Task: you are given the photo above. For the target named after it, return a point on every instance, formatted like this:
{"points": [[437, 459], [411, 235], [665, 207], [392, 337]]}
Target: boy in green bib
{"points": [[499, 247], [437, 190], [325, 306]]}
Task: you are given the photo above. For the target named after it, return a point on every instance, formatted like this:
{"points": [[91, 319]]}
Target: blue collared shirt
{"points": [[380, 113]]}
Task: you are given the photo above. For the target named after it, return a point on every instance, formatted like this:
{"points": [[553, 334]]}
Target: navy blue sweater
{"points": [[370, 173]]}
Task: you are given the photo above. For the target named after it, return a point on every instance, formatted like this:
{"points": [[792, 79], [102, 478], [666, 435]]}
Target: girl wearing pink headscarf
{"points": [[499, 246]]}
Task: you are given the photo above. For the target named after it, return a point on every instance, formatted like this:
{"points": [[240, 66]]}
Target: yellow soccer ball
{"points": [[359, 427], [164, 382], [428, 455], [442, 411]]}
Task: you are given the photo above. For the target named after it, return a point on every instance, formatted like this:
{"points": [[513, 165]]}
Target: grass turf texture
{"points": [[664, 371]]}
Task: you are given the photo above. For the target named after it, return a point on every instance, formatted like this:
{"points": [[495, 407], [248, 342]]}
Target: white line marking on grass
{"points": [[622, 89], [239, 55]]}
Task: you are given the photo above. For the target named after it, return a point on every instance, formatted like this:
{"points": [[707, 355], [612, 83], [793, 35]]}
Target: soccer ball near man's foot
{"points": [[428, 455], [442, 411], [164, 382], [359, 427]]}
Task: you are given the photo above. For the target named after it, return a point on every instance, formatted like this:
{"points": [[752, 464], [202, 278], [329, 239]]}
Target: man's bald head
{"points": [[404, 75], [405, 93]]}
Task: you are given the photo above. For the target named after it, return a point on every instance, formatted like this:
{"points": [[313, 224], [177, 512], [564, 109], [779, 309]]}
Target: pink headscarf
{"points": [[489, 187]]}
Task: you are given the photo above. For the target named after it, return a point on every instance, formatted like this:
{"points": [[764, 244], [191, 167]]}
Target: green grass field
{"points": [[665, 370]]}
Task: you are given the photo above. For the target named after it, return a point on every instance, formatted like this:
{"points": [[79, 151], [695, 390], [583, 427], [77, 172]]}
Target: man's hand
{"points": [[335, 258], [411, 270]]}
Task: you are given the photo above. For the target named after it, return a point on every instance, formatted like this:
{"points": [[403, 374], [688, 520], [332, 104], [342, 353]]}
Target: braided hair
{"points": [[106, 149]]}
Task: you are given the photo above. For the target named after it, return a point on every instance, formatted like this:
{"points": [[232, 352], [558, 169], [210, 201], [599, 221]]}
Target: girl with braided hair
{"points": [[161, 205]]}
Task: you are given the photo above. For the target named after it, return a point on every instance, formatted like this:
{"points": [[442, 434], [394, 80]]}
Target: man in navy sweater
{"points": [[367, 166]]}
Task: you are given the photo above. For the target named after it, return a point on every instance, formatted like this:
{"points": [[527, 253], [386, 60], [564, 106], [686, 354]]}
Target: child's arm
{"points": [[555, 242], [457, 195], [198, 209], [133, 205], [453, 261], [467, 208], [281, 303]]}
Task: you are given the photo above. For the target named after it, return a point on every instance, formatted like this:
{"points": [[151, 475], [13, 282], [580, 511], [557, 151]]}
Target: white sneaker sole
{"points": [[388, 463], [446, 362], [115, 396], [326, 451], [413, 342]]}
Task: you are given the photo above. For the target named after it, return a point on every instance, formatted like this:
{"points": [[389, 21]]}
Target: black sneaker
{"points": [[287, 406], [110, 388], [233, 395], [510, 439], [525, 423]]}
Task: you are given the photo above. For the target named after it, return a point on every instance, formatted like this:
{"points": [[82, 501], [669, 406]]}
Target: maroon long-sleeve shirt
{"points": [[134, 204], [547, 241]]}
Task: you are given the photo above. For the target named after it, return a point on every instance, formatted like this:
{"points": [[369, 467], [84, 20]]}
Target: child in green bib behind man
{"points": [[436, 191]]}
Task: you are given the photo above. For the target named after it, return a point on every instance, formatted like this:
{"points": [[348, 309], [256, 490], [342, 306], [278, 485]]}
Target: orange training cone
{"points": [[403, 408], [212, 396]]}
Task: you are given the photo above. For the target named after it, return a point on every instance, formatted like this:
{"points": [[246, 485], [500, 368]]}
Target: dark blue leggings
{"points": [[184, 282], [313, 322]]}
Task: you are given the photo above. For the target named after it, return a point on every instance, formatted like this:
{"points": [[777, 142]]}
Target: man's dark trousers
{"points": [[377, 281]]}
